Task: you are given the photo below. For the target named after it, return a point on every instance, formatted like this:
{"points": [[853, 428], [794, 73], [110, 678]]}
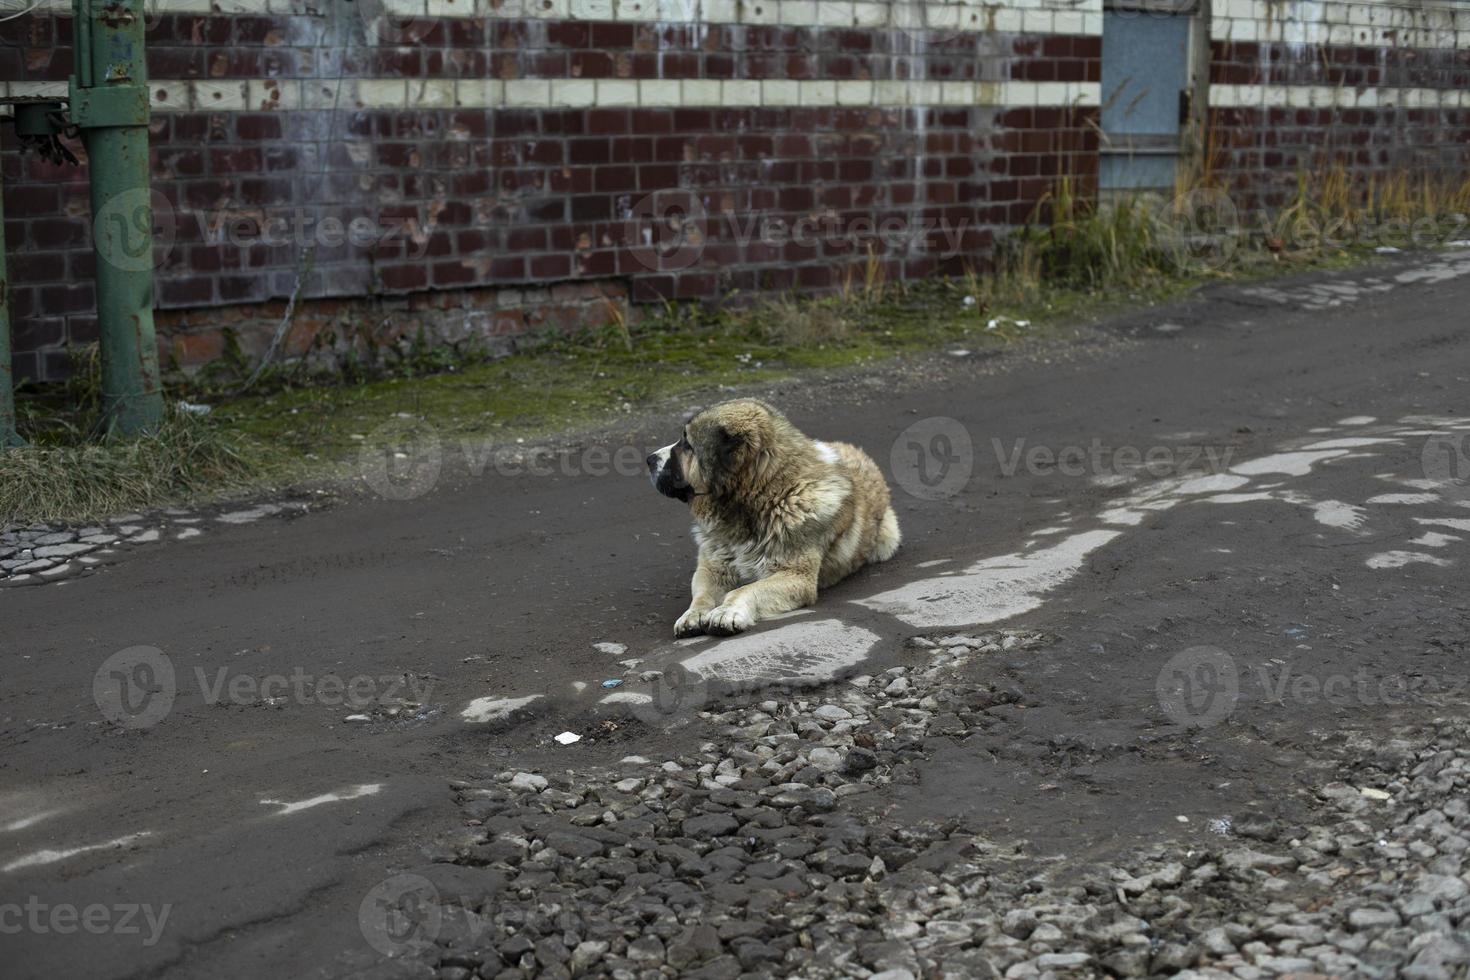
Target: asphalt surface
{"points": [[245, 818]]}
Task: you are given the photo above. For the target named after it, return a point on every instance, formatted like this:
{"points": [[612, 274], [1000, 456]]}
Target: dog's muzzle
{"points": [[663, 473]]}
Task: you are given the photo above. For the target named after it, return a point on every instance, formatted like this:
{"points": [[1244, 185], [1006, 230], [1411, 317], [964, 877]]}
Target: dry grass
{"points": [[89, 480], [72, 471], [1333, 209], [790, 323], [875, 276]]}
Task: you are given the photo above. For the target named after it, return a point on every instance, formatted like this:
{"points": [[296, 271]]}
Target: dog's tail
{"points": [[889, 537]]}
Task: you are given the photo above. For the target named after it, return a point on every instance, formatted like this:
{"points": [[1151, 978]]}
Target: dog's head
{"points": [[718, 445]]}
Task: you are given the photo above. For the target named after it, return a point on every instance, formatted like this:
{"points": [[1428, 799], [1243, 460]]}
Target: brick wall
{"points": [[1379, 89], [484, 169]]}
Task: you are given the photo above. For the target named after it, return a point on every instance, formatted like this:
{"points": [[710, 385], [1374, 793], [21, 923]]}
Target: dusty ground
{"points": [[1079, 684]]}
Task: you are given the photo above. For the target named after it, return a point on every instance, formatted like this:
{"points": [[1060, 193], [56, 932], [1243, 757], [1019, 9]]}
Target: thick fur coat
{"points": [[776, 515]]}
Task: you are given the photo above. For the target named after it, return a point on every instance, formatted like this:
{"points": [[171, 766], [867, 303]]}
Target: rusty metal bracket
{"points": [[111, 105], [116, 15]]}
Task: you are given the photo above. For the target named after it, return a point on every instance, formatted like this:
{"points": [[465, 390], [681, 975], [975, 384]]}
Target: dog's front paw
{"points": [[727, 620], [690, 624]]}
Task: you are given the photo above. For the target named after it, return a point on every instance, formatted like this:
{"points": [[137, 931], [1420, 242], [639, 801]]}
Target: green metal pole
{"points": [[109, 103], [8, 437]]}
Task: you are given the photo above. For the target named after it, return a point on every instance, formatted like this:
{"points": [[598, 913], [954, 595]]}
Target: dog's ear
{"points": [[728, 441]]}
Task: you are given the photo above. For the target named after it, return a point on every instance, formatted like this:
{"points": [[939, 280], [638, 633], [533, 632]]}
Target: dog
{"points": [[777, 515]]}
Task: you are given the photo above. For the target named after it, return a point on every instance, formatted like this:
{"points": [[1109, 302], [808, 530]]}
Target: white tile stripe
{"points": [[396, 93], [1327, 97], [1307, 34], [1445, 24], [1371, 23]]}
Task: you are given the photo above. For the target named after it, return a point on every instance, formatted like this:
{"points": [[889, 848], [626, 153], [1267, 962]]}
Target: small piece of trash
{"points": [[1374, 794], [1387, 250], [1182, 818], [969, 301], [616, 649], [612, 682], [358, 718], [192, 408], [959, 352], [1459, 243], [567, 738], [997, 321]]}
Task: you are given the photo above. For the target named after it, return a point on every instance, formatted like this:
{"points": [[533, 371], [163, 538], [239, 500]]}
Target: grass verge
{"points": [[185, 457], [1074, 258]]}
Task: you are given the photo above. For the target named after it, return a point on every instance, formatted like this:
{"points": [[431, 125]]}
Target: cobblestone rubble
{"points": [[761, 853], [34, 554]]}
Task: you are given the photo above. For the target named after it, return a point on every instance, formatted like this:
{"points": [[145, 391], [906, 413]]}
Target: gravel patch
{"points": [[764, 851]]}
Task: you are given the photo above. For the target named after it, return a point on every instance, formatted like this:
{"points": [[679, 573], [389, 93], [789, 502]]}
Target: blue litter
{"points": [[612, 683]]}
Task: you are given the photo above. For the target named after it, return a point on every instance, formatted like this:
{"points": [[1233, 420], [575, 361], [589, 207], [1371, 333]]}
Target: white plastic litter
{"points": [[567, 738]]}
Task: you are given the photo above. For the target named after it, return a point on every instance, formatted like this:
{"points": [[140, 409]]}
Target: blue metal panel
{"points": [[1145, 65], [1123, 172], [1145, 68]]}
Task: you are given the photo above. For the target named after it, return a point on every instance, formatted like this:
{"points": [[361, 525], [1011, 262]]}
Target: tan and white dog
{"points": [[777, 515]]}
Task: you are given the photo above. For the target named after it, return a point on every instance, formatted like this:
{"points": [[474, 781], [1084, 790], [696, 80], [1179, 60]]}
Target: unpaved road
{"points": [[1301, 536]]}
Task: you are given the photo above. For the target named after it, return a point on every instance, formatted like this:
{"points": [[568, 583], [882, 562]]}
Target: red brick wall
{"points": [[481, 224], [483, 200], [1261, 151]]}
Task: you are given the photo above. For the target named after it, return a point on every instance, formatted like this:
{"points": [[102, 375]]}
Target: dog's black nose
{"points": [[652, 462]]}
